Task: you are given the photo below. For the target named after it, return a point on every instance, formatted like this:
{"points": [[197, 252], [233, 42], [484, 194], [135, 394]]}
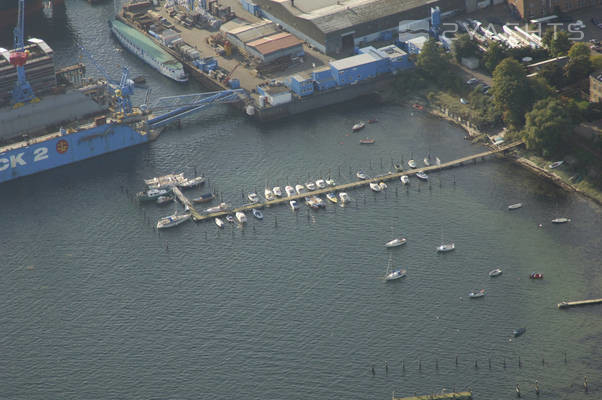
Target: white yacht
{"points": [[290, 191], [396, 242], [269, 195], [241, 217], [277, 191], [253, 197], [330, 182], [382, 185], [321, 183], [172, 220], [344, 197], [294, 205], [300, 189], [219, 222], [310, 185], [412, 164], [446, 247], [375, 187], [404, 179]]}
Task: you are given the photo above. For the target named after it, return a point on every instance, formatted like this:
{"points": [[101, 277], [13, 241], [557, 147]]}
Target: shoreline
{"points": [[524, 162]]}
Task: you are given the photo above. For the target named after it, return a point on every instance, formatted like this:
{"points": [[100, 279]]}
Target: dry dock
{"points": [[338, 188], [568, 304], [441, 396]]}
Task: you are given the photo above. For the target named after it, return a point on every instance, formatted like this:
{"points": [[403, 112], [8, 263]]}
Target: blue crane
{"points": [[121, 90], [22, 93]]}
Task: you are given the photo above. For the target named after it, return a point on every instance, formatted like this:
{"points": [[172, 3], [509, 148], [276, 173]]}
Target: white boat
{"points": [[241, 217], [412, 164], [310, 185], [319, 201], [164, 182], [382, 185], [148, 51], [375, 187], [495, 272], [253, 197], [446, 247], [359, 126], [192, 182], [164, 199], [257, 213], [300, 189], [330, 182], [438, 161], [396, 242], [294, 205], [395, 274], [515, 206], [426, 161], [555, 164], [290, 191], [344, 197], [422, 175], [361, 175], [152, 194], [476, 294], [220, 207], [269, 195], [561, 220], [404, 179], [219, 222], [332, 197], [321, 183], [230, 219], [172, 220], [277, 191]]}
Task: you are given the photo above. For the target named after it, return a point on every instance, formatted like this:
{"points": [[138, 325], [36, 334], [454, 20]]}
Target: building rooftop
{"points": [[352, 61], [273, 43]]}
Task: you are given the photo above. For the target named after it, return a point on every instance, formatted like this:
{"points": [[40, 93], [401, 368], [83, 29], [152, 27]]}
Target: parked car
{"points": [[578, 24], [472, 81], [596, 22]]}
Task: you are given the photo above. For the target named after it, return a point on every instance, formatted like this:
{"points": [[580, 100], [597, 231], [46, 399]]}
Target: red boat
{"points": [[535, 275], [418, 107]]}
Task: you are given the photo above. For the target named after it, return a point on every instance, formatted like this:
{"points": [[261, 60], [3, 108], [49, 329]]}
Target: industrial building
{"points": [[270, 48], [337, 27], [537, 8], [239, 34]]}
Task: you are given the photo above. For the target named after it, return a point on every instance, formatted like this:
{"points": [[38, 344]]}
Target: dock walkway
{"points": [[440, 396], [187, 203], [568, 304], [196, 216]]}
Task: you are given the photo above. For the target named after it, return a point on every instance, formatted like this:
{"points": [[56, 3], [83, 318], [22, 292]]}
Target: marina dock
{"points": [[187, 203], [569, 304], [440, 396], [351, 185]]}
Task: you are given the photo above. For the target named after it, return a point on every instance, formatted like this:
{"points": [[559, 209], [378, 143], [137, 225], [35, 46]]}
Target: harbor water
{"points": [[96, 304]]}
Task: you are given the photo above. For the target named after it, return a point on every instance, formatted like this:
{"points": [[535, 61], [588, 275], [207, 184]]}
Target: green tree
{"points": [[511, 91], [548, 37], [560, 44], [554, 74], [494, 55], [547, 126], [540, 88], [579, 65], [433, 61], [465, 46], [596, 60]]}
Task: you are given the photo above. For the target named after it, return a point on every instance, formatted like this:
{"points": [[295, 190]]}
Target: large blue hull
{"points": [[66, 149]]}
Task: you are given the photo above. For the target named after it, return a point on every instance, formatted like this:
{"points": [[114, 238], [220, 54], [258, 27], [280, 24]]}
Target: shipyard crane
{"points": [[121, 90], [22, 93]]}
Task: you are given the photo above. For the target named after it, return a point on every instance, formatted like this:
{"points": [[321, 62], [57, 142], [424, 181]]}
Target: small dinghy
{"points": [[332, 197], [396, 242], [555, 164], [367, 141], [515, 206], [398, 167], [375, 187], [404, 179], [382, 185], [294, 205], [344, 197], [535, 275], [230, 219], [446, 247], [257, 213], [422, 176], [475, 294], [519, 331], [361, 175], [495, 272], [562, 220], [219, 222], [241, 217], [253, 197]]}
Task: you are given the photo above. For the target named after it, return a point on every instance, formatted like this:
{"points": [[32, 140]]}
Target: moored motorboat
{"points": [[164, 199], [277, 191], [535, 275], [172, 220], [332, 197], [519, 331], [412, 164], [241, 217], [152, 194], [426, 161], [422, 176], [300, 189], [220, 207], [294, 205], [310, 185], [311, 202], [443, 248], [321, 183], [257, 213], [375, 187], [367, 141], [396, 242], [230, 219], [359, 126], [398, 167], [361, 175], [290, 191], [319, 201], [437, 161], [555, 164], [562, 220], [192, 182], [515, 206], [395, 274], [404, 179], [476, 294], [417, 106], [268, 194], [382, 185], [219, 222], [344, 197], [495, 272], [330, 182], [253, 197], [204, 198]]}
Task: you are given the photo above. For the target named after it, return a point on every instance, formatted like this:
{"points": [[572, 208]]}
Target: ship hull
{"points": [[42, 154]]}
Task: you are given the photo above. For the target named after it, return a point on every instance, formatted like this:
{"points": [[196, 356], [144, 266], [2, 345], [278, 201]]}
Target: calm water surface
{"points": [[97, 305]]}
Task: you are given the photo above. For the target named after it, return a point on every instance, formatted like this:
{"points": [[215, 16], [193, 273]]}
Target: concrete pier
{"points": [[440, 396], [568, 304]]}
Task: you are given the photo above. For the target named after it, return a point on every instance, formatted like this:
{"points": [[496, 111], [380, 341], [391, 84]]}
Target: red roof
{"points": [[273, 43]]}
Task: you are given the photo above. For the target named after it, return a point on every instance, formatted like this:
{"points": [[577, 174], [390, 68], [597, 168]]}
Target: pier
{"points": [[351, 185], [187, 203], [440, 396], [569, 304]]}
